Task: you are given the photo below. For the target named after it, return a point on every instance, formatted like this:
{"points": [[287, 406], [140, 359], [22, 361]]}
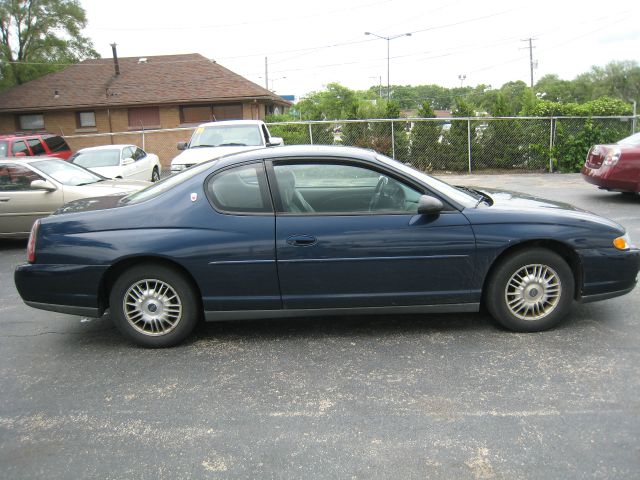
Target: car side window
{"points": [[127, 152], [323, 188], [139, 154], [36, 146], [19, 147], [16, 178], [240, 190]]}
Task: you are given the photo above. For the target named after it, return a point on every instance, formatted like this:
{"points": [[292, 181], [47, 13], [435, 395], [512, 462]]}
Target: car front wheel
{"points": [[530, 290], [155, 175], [154, 305]]}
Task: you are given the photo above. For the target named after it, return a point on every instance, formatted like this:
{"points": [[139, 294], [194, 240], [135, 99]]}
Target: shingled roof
{"points": [[165, 79]]}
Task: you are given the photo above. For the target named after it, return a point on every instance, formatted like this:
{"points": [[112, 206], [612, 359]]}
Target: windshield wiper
{"points": [[232, 145], [203, 145], [482, 197]]}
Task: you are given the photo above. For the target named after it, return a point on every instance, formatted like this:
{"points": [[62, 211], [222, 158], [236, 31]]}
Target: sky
{"points": [[311, 44]]}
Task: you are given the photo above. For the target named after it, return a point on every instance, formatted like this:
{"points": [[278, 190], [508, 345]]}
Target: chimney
{"points": [[115, 58]]}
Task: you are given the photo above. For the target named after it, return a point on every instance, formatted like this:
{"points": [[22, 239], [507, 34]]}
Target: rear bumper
{"points": [[72, 289], [609, 179]]}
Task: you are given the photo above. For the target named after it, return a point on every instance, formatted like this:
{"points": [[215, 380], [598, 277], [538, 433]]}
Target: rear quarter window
{"points": [[57, 144]]}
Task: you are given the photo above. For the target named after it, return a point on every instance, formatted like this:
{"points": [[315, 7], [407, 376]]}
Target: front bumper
{"points": [[608, 273]]}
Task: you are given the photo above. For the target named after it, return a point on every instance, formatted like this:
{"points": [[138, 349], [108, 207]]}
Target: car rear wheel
{"points": [[154, 305], [530, 290], [155, 175]]}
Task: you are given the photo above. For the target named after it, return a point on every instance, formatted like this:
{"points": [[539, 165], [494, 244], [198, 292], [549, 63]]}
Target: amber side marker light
{"points": [[621, 243], [31, 246]]}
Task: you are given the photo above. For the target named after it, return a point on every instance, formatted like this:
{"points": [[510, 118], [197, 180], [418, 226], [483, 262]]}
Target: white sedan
{"points": [[119, 161]]}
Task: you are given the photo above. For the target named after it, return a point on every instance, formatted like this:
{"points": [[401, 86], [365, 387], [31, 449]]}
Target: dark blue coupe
{"points": [[298, 231]]}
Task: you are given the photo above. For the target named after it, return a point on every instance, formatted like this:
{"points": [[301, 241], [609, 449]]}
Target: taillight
{"points": [[31, 246], [612, 157]]}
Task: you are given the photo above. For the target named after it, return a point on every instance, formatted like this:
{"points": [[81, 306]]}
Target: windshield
{"points": [[226, 135], [633, 140], [66, 173], [3, 149], [165, 184], [97, 158], [455, 194]]}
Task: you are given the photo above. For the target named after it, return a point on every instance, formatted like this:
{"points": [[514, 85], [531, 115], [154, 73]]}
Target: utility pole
{"points": [[531, 64], [266, 73]]}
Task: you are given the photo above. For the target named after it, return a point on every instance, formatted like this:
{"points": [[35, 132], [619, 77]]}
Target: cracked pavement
{"points": [[414, 396]]}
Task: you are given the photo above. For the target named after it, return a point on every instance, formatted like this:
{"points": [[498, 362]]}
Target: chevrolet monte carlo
{"points": [[302, 230]]}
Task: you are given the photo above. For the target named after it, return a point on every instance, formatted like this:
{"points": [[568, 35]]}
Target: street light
{"points": [[462, 78], [388, 39], [272, 81]]}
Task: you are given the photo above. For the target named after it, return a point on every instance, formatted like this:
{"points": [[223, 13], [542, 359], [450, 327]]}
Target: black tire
{"points": [[155, 175], [537, 301], [162, 308]]}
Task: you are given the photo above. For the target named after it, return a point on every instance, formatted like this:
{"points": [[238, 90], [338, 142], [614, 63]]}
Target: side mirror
{"points": [[429, 205], [275, 142], [43, 185], [128, 161], [183, 145]]}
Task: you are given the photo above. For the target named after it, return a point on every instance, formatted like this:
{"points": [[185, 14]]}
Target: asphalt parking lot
{"points": [[448, 396]]}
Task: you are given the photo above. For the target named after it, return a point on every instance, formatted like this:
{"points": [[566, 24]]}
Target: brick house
{"points": [[103, 96]]}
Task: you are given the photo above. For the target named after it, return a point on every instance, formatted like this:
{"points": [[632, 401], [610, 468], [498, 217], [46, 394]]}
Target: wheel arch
{"points": [[114, 271], [567, 253]]}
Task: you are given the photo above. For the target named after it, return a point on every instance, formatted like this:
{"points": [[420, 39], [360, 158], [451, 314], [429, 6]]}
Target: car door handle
{"points": [[301, 240], [4, 199]]}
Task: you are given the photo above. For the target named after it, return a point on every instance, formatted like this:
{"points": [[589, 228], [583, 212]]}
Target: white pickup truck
{"points": [[216, 139]]}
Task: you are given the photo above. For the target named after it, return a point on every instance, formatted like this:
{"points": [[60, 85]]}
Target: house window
{"points": [[86, 119], [144, 117], [196, 114], [232, 111], [31, 122]]}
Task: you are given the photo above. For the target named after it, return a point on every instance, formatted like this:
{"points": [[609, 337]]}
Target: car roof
{"points": [[119, 146], [327, 152], [8, 136], [23, 160], [231, 122]]}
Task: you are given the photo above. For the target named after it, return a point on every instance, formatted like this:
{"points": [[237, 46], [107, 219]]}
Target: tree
{"points": [[425, 137], [334, 103], [552, 87], [40, 36]]}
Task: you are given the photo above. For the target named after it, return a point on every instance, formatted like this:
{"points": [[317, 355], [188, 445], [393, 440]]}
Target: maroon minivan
{"points": [[34, 144]]}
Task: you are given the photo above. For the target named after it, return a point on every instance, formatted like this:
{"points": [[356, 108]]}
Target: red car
{"points": [[33, 145], [615, 167]]}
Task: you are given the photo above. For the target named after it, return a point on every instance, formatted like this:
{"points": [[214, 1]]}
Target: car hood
{"points": [[103, 188], [108, 187], [511, 199], [192, 156], [522, 203], [93, 203], [109, 172]]}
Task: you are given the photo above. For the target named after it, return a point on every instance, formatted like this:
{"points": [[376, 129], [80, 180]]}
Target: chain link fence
{"points": [[469, 144], [453, 144], [161, 142]]}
